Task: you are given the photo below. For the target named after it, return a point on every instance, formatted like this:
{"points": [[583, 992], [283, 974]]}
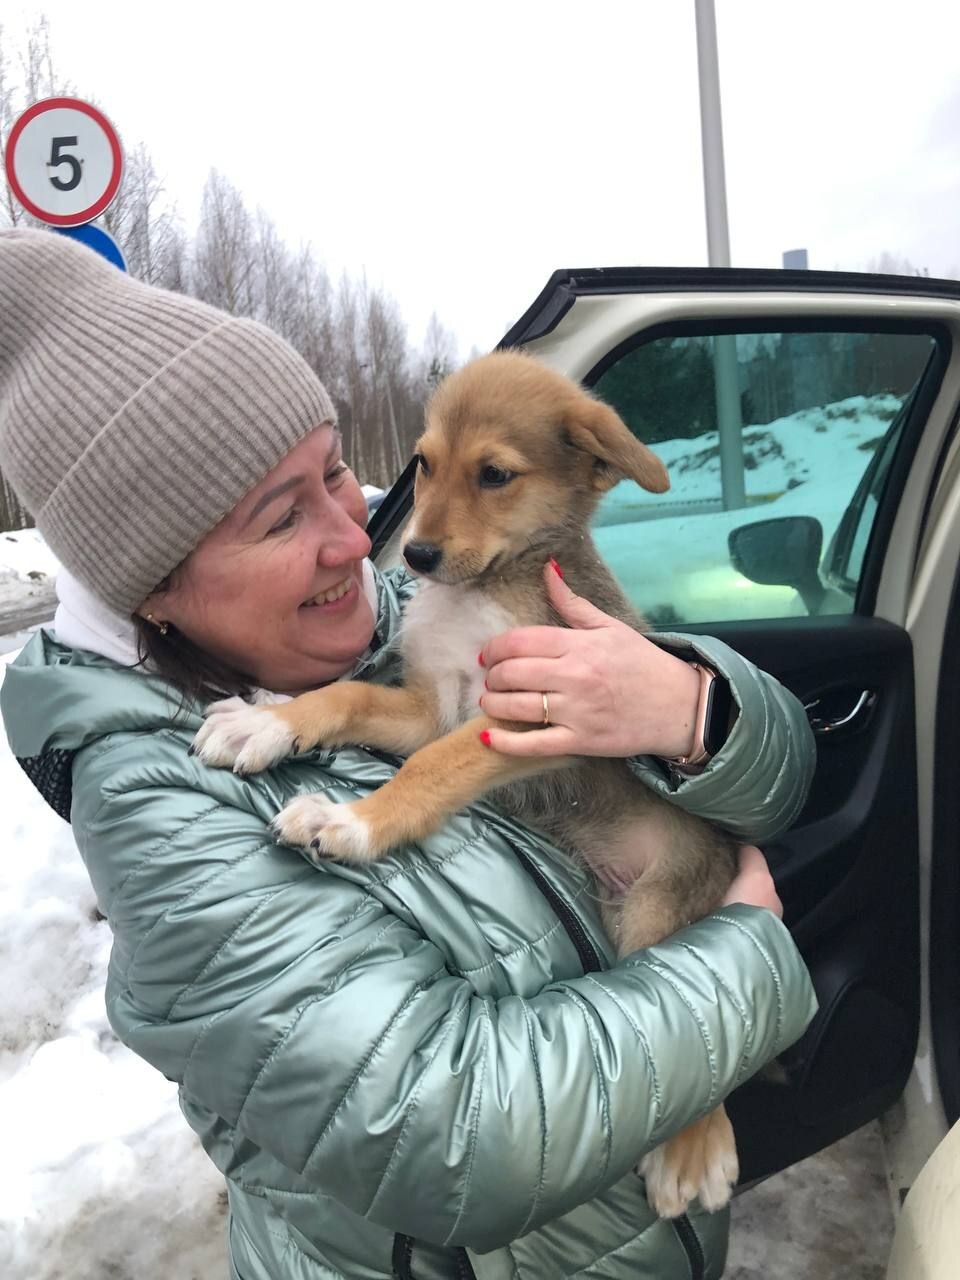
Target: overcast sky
{"points": [[460, 152]]}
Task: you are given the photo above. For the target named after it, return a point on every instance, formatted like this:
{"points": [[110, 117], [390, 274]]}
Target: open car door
{"points": [[809, 424]]}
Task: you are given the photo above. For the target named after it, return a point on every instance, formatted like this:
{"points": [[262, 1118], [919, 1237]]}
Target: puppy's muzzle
{"points": [[422, 557]]}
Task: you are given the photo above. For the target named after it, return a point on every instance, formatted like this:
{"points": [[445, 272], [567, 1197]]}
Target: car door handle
{"points": [[841, 709]]}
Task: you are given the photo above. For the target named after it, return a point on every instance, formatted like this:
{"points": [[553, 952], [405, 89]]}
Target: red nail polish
{"points": [[485, 737], [486, 686], [480, 657], [556, 568]]}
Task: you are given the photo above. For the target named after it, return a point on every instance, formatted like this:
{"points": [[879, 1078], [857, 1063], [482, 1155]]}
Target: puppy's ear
{"points": [[596, 429]]}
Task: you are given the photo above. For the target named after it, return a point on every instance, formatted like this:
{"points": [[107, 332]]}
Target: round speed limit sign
{"points": [[63, 161]]}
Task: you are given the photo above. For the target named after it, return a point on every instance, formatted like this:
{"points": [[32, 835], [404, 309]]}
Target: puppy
{"points": [[512, 464]]}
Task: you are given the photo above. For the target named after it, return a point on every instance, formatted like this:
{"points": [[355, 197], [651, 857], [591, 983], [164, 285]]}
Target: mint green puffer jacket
{"points": [[432, 1066]]}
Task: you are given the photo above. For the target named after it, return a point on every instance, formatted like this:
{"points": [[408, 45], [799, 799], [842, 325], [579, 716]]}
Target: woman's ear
{"points": [[161, 599], [155, 609], [596, 429]]}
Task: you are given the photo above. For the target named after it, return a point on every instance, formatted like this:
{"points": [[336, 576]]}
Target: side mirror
{"points": [[781, 552]]}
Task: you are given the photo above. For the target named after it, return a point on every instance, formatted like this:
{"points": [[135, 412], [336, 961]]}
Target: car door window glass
{"points": [[777, 445]]}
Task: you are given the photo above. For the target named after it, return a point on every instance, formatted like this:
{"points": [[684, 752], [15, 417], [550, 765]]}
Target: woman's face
{"points": [[276, 589]]}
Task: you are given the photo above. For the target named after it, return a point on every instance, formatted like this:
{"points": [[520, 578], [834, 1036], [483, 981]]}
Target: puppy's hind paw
{"points": [[244, 738], [325, 829]]}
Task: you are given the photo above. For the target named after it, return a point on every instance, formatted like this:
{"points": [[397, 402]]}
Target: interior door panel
{"points": [[847, 874]]}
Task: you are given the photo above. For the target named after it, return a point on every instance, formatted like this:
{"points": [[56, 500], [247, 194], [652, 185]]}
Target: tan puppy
{"points": [[513, 461]]}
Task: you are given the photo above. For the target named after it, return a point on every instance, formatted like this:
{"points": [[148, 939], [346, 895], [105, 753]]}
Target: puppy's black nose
{"points": [[422, 557]]}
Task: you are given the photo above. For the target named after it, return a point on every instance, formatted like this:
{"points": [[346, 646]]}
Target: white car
{"points": [[809, 424]]}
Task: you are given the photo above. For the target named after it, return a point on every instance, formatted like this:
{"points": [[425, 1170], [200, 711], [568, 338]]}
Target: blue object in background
{"points": [[96, 238]]}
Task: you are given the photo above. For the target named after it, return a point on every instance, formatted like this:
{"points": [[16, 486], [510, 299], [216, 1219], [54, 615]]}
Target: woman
{"points": [[431, 1066]]}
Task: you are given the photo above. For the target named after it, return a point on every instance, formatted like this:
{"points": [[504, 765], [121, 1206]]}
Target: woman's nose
{"points": [[343, 539]]}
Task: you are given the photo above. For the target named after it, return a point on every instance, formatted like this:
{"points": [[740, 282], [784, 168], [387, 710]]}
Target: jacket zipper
{"points": [[403, 1258], [465, 1269], [590, 962], [402, 1253], [690, 1243]]}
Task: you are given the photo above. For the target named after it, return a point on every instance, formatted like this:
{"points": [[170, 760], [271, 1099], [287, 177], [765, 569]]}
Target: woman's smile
{"points": [[338, 598]]}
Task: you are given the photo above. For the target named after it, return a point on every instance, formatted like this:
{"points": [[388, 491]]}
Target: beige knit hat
{"points": [[132, 419]]}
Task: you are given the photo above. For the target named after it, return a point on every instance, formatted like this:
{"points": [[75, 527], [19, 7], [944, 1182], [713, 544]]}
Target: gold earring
{"points": [[162, 627]]}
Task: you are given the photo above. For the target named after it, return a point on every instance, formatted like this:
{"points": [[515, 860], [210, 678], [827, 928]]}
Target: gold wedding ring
{"points": [[546, 709]]}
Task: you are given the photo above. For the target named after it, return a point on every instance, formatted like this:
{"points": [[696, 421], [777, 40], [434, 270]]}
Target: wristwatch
{"points": [[712, 719]]}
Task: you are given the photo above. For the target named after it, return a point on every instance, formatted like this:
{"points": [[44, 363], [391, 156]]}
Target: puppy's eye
{"points": [[492, 477], [422, 463]]}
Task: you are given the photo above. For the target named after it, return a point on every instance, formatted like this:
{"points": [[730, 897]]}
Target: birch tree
{"points": [[25, 78], [147, 230], [224, 254]]}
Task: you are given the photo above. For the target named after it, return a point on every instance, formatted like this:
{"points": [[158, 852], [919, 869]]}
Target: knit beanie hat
{"points": [[133, 419]]}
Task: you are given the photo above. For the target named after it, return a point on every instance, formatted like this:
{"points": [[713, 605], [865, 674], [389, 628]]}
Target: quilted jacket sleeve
{"points": [[757, 783], [329, 1032]]}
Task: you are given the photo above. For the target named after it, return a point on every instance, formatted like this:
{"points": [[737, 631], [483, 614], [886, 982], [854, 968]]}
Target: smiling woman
{"points": [[275, 591], [433, 1066]]}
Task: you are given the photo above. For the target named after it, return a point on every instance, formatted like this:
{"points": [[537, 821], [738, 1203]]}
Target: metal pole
{"points": [[711, 136], [726, 374]]}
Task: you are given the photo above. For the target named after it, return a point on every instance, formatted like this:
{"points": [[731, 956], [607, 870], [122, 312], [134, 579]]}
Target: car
{"points": [[374, 496], [809, 423]]}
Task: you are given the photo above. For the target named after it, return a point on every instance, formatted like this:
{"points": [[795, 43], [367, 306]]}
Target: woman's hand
{"points": [[611, 691], [753, 883]]}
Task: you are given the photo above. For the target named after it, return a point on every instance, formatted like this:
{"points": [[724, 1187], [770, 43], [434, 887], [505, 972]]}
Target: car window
{"points": [[768, 439]]}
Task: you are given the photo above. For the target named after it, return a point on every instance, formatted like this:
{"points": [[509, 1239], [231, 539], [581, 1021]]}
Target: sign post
{"points": [[64, 163]]}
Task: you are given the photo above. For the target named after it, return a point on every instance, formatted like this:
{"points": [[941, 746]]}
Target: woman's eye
{"points": [[288, 521], [422, 463], [492, 477], [338, 472]]}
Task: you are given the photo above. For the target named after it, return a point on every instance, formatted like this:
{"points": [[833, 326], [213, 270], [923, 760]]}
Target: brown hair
{"points": [[195, 674]]}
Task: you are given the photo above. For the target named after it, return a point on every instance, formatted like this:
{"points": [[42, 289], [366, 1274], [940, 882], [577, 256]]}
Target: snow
{"points": [[681, 560], [23, 552], [27, 571], [101, 1175]]}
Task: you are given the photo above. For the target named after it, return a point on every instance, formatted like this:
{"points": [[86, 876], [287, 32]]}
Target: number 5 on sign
{"points": [[63, 161]]}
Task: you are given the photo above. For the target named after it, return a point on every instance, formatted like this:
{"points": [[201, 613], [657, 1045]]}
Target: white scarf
{"points": [[83, 621]]}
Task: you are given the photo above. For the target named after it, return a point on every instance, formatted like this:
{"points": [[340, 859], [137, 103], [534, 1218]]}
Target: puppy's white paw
{"points": [[325, 829], [699, 1163], [246, 738]]}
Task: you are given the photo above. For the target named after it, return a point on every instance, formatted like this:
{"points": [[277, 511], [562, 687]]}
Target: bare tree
{"points": [[352, 367], [148, 232], [224, 253], [386, 351], [895, 264], [12, 514], [439, 356], [20, 88], [310, 323], [10, 211]]}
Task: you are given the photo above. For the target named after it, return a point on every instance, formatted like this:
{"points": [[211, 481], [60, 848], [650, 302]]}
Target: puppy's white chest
{"points": [[444, 629]]}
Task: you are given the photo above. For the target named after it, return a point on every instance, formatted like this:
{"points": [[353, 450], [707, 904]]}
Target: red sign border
{"points": [[84, 215]]}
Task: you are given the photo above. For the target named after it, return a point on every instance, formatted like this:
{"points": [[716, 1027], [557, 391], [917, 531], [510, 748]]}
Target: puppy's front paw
{"points": [[325, 829], [700, 1162], [246, 738]]}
